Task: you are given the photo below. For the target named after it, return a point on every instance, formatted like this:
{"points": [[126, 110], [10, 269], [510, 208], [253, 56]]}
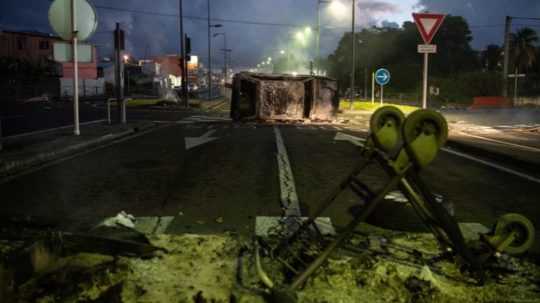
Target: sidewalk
{"points": [[26, 151]]}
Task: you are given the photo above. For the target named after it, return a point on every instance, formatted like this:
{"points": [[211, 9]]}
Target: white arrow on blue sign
{"points": [[382, 76]]}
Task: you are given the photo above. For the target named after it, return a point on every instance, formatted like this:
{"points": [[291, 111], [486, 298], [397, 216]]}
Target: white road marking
{"points": [[492, 165], [206, 119], [192, 142], [264, 225], [352, 139], [534, 149], [358, 142], [184, 122], [153, 225], [289, 198]]}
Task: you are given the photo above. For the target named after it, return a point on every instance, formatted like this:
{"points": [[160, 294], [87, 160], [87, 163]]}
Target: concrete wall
{"points": [[87, 87]]}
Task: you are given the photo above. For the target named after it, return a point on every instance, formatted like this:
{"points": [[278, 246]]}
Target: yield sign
{"points": [[428, 24]]}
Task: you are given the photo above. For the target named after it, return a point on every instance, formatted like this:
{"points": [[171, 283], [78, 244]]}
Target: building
{"points": [[37, 46]]}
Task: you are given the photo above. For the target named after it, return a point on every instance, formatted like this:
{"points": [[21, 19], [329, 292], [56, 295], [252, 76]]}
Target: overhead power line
{"points": [[173, 15]]}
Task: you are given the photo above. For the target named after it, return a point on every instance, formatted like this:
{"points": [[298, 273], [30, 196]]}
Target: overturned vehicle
{"points": [[283, 97]]}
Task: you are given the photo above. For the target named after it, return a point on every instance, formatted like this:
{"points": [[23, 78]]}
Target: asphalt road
{"points": [[223, 184]]}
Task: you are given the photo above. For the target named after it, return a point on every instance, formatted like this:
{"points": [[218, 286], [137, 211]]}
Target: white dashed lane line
{"points": [[289, 198]]}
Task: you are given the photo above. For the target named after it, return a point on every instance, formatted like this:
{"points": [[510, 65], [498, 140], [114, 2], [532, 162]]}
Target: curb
{"points": [[16, 166], [44, 131], [503, 158]]}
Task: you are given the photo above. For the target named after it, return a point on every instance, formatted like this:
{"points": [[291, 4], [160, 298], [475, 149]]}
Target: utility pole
{"points": [[118, 67], [365, 83], [209, 56], [507, 28], [225, 50], [77, 130], [183, 53], [353, 42], [318, 60]]}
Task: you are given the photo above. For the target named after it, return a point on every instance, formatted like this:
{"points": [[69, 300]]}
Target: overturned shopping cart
{"points": [[402, 147]]}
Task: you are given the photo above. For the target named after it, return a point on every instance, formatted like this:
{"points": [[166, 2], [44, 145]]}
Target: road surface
{"points": [[232, 177]]}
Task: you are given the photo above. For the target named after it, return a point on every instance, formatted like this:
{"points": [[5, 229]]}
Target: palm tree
{"points": [[523, 50]]}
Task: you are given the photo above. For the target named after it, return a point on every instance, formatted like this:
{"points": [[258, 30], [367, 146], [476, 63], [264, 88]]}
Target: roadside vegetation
{"points": [[458, 71]]}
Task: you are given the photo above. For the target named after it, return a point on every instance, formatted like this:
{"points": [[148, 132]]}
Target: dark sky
{"points": [[154, 34]]}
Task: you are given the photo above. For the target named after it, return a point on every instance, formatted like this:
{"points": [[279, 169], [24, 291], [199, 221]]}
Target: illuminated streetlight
{"points": [[307, 30], [282, 52], [300, 37], [337, 9], [126, 58]]}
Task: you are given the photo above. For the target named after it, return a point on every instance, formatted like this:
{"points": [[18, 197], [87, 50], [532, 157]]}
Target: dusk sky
{"points": [[152, 26]]}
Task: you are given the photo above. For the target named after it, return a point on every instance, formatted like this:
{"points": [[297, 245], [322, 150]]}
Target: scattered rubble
{"points": [[387, 266]]}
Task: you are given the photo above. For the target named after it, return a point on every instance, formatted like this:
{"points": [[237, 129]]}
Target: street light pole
{"points": [[183, 54], [225, 50], [507, 28], [318, 59], [209, 56], [353, 52]]}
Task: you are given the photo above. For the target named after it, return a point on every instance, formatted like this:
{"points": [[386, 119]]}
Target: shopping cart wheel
{"points": [[385, 125], [424, 132], [516, 226]]}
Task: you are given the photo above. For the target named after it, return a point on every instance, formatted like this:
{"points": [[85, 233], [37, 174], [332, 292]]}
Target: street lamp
{"points": [[210, 52], [225, 50], [301, 37], [338, 9]]}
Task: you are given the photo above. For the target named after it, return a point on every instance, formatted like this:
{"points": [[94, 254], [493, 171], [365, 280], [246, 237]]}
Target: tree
{"points": [[523, 50], [396, 49]]}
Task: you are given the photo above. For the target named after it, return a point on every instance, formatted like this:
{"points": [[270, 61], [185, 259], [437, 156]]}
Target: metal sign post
{"points": [[74, 21], [77, 129], [372, 87], [382, 76], [382, 93], [427, 25]]}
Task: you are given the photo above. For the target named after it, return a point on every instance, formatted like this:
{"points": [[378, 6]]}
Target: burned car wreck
{"points": [[284, 97]]}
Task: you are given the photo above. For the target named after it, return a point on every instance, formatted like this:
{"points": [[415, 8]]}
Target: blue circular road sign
{"points": [[382, 76]]}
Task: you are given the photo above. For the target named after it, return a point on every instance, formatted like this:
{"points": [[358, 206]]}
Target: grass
{"points": [[368, 106]]}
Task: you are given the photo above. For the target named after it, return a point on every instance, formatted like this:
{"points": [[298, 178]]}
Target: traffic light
{"points": [[188, 45]]}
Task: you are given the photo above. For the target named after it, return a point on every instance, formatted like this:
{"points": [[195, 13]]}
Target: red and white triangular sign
{"points": [[428, 24]]}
